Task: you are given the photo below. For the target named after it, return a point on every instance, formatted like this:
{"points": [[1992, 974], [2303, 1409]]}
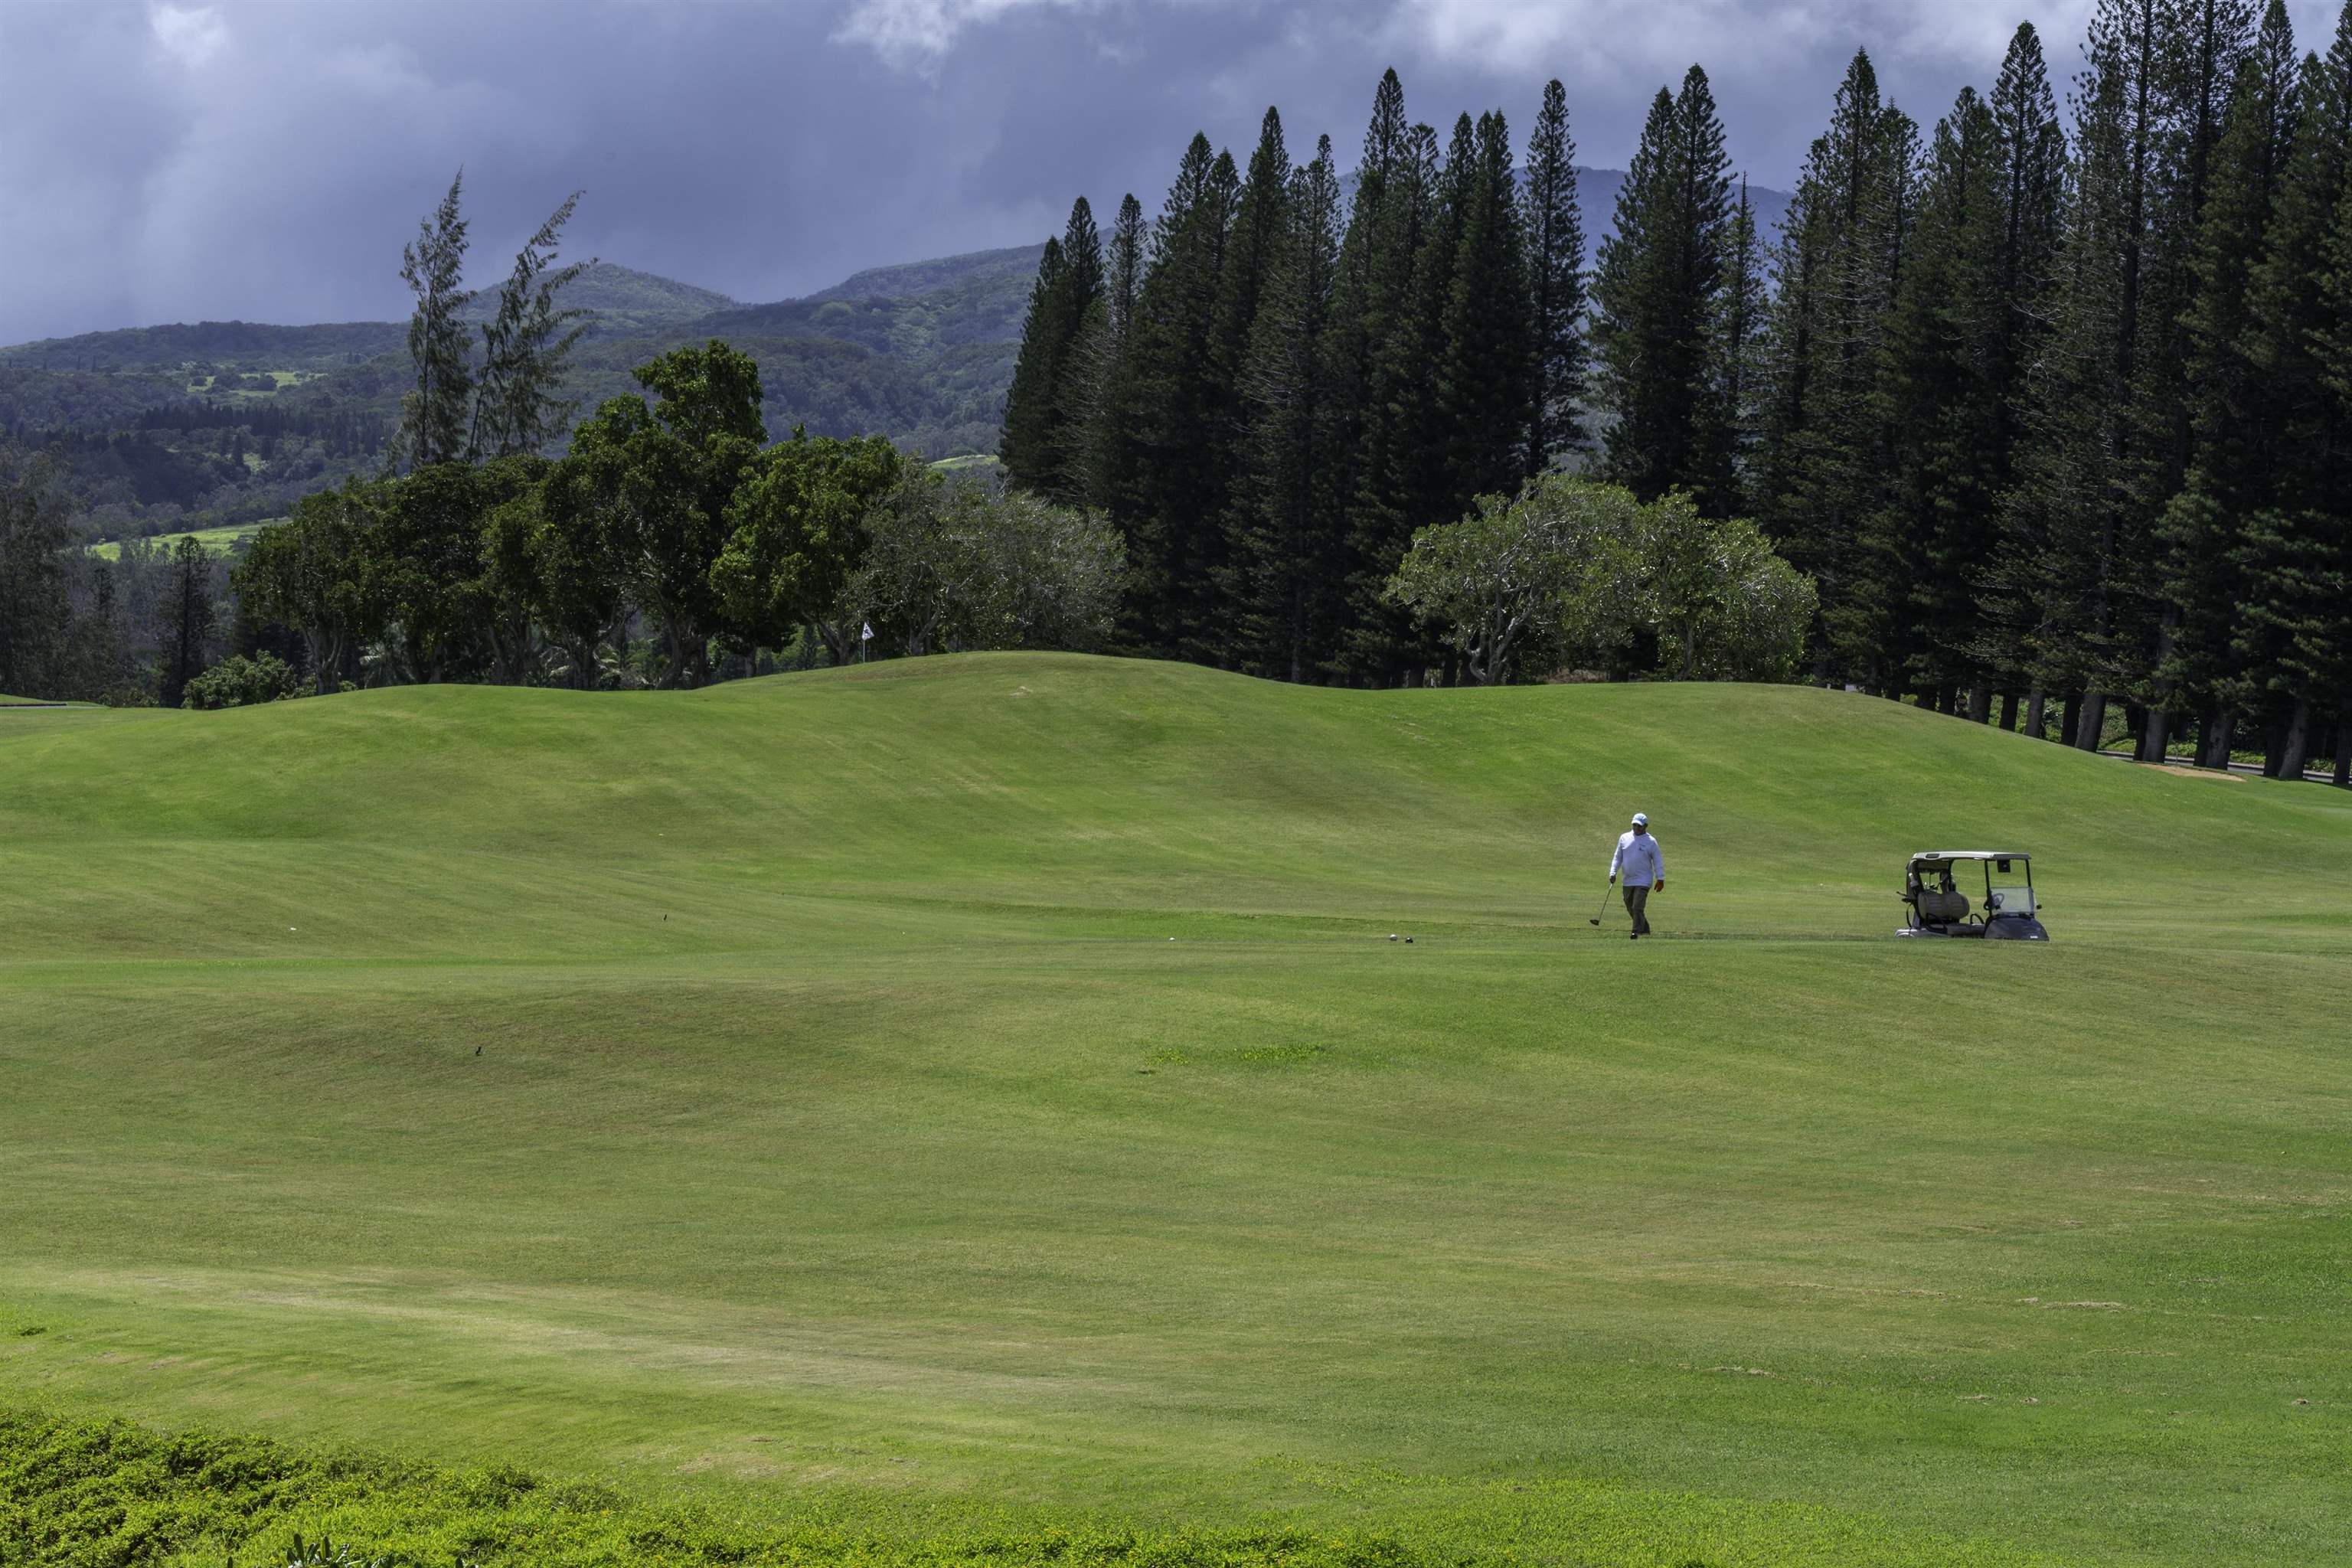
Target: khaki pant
{"points": [[1635, 900]]}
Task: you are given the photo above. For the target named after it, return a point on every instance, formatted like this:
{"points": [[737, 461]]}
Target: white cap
{"points": [[1641, 819]]}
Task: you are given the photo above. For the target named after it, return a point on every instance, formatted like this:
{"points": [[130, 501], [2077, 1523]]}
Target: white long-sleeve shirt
{"points": [[1639, 857]]}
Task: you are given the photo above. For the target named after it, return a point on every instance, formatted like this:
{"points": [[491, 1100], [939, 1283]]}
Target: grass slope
{"points": [[977, 1094], [224, 541]]}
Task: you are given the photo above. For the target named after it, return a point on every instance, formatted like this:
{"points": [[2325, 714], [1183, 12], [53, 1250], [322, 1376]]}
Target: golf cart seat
{"points": [[1948, 909]]}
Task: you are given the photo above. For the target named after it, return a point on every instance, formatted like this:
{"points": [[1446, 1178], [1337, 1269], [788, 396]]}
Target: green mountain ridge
{"points": [[619, 300], [151, 421]]}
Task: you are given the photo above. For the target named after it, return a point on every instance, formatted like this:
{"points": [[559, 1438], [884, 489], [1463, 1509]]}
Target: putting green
{"points": [[980, 1091]]}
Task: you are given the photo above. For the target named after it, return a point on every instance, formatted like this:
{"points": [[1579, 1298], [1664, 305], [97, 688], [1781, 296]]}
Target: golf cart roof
{"points": [[1933, 855]]}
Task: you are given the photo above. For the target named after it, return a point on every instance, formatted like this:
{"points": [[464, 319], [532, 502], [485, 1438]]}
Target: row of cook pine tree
{"points": [[2061, 416]]}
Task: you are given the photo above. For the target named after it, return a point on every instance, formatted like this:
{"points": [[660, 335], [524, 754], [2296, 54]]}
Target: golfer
{"points": [[1643, 868]]}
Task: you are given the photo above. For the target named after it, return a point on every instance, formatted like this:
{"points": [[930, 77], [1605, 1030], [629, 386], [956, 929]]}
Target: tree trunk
{"points": [[1980, 702], [2216, 737], [2155, 740], [2296, 746], [2091, 721], [2033, 705], [2135, 728], [2070, 715], [2344, 752], [2009, 709], [2273, 745]]}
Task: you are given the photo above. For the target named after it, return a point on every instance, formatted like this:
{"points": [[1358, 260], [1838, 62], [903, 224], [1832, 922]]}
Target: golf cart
{"points": [[1935, 904]]}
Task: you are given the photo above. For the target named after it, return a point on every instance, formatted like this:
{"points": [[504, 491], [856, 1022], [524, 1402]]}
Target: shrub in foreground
{"points": [[82, 1493], [240, 682]]}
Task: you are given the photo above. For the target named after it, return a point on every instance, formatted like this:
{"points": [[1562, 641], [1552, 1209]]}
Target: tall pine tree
{"points": [[1401, 447], [1041, 444], [1253, 250], [1554, 230], [2297, 556], [1655, 290], [1824, 489], [1102, 445], [2198, 48], [2079, 551], [1023, 443], [1736, 372], [2031, 151], [1290, 560], [1486, 376], [2227, 403], [1172, 508], [1945, 405]]}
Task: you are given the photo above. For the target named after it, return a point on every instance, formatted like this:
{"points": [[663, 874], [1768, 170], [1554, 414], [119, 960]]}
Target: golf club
{"points": [[1604, 901]]}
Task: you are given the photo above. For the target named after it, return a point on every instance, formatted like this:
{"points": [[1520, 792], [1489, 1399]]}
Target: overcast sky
{"points": [[265, 159]]}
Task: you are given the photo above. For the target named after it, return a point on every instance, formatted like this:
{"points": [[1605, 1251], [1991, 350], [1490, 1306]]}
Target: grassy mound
{"points": [[979, 1094]]}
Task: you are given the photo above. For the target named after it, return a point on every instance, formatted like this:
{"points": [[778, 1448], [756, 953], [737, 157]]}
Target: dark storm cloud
{"points": [[265, 159]]}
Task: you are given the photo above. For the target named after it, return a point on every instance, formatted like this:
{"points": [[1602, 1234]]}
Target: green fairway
{"points": [[980, 1093], [221, 541]]}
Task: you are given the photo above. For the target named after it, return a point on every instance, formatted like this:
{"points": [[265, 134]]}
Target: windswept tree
{"points": [[512, 401], [518, 405], [435, 413]]}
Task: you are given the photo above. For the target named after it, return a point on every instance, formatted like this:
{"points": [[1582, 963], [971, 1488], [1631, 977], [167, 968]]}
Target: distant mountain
{"points": [[622, 298], [180, 345], [618, 299], [213, 424], [1016, 263]]}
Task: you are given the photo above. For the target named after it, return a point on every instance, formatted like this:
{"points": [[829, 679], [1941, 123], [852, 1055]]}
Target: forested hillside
{"points": [[159, 429]]}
